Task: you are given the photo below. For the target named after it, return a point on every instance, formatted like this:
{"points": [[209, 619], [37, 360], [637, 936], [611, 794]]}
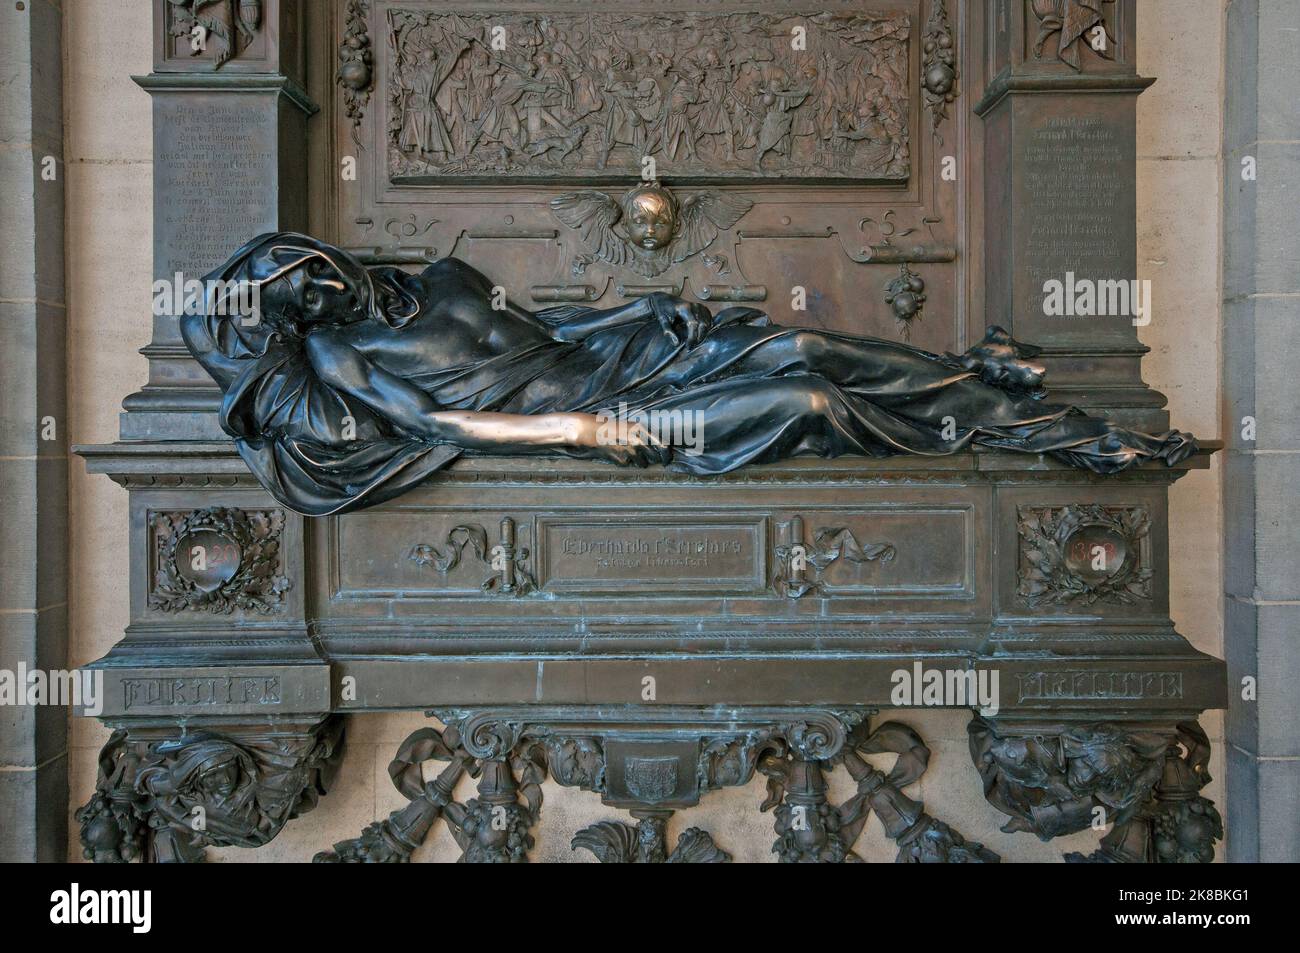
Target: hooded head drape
{"points": [[315, 450]]}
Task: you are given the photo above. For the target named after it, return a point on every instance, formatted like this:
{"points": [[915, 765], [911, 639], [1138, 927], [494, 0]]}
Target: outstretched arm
{"points": [[342, 366]]}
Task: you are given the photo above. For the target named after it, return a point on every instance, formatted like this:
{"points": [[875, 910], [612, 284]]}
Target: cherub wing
{"points": [[593, 215], [703, 214]]}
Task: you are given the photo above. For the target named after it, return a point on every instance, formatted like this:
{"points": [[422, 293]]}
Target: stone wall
{"points": [[1261, 338], [33, 426], [109, 268]]}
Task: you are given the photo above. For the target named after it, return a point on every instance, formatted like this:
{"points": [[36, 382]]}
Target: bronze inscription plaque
{"points": [[1077, 206], [821, 95], [661, 556], [214, 161]]}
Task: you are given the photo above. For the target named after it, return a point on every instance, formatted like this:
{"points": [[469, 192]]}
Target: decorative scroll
{"points": [[491, 828], [167, 800], [800, 568], [508, 561], [888, 249], [822, 95], [447, 557], [812, 830], [576, 749], [218, 560], [1084, 553]]}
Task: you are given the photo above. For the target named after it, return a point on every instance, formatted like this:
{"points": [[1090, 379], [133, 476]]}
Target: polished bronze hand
{"points": [[628, 445]]}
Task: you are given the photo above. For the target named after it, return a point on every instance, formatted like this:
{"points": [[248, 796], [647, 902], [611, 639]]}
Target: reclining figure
{"points": [[353, 384]]}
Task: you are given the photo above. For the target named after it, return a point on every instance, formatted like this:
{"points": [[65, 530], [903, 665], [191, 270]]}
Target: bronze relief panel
{"points": [[217, 559], [708, 95], [512, 136], [1094, 557], [419, 554]]}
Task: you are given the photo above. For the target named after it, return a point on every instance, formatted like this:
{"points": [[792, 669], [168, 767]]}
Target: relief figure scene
{"points": [[724, 96]]}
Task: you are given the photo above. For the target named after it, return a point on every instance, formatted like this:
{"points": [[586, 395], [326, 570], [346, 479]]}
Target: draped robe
{"points": [[760, 392]]}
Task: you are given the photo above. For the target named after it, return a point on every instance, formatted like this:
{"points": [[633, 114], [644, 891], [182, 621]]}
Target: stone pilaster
{"points": [[1059, 110], [229, 140], [1261, 339], [33, 427]]}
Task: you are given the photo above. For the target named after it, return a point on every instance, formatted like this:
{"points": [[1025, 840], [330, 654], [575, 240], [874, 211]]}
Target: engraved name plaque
{"points": [[655, 556], [222, 691], [1090, 685]]}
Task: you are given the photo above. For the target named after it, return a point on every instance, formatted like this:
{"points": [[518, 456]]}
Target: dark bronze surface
{"points": [[424, 367], [165, 797], [1141, 780], [711, 95], [649, 633], [512, 751]]}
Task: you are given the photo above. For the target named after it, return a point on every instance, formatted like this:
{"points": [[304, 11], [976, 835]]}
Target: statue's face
{"points": [[220, 782], [314, 292], [650, 221]]}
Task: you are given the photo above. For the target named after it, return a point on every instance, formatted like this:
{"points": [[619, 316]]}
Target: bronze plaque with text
{"points": [[664, 555]]}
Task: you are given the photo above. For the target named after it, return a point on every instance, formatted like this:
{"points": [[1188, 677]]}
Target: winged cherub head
{"points": [[648, 230], [650, 216]]}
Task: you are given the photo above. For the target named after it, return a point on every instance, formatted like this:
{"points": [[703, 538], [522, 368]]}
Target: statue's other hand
{"points": [[1001, 360], [683, 321]]}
